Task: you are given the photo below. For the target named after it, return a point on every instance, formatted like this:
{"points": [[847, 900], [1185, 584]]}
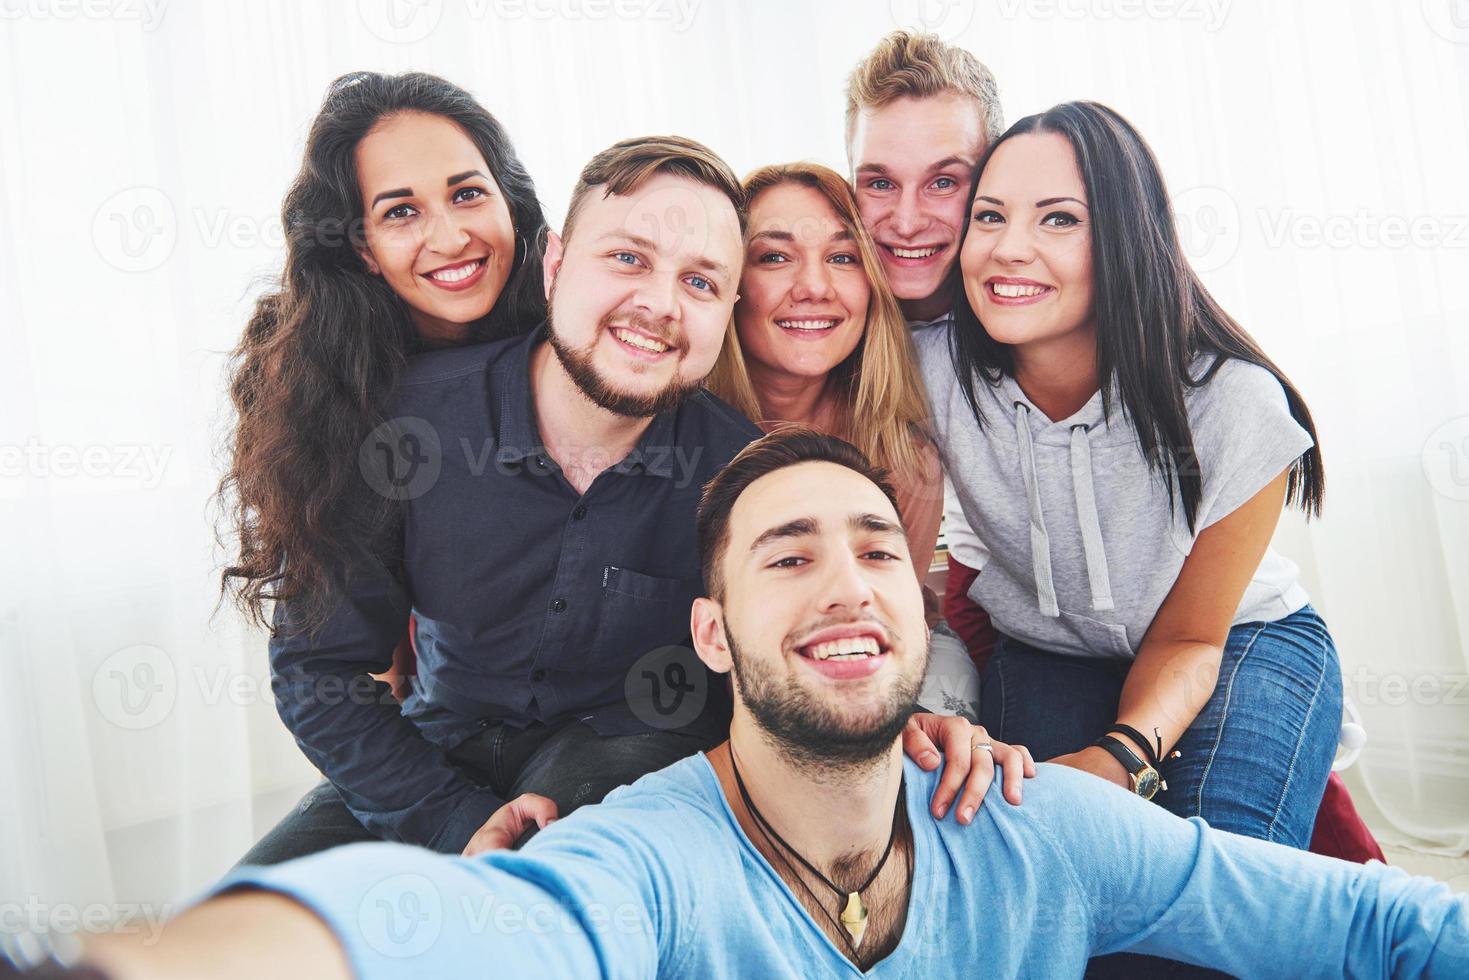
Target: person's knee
{"points": [[320, 820], [584, 767]]}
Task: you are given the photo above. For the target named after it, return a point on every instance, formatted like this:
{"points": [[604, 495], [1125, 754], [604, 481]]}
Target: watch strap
{"points": [[1137, 736], [1120, 751]]}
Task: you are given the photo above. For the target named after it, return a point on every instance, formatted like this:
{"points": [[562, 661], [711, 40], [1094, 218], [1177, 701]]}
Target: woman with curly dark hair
{"points": [[412, 224]]}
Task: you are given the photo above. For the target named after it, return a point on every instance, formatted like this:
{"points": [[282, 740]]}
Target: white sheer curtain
{"points": [[143, 153]]}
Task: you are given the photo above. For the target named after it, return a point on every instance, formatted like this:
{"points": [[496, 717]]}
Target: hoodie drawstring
{"points": [[1086, 513], [1040, 541]]}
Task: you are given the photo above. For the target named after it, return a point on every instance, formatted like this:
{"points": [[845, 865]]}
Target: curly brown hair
{"points": [[323, 352]]}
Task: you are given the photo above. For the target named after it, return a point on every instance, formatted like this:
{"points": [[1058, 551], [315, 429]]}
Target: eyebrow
{"points": [[944, 164], [1040, 204], [702, 262], [408, 191], [803, 527], [844, 235], [877, 524]]}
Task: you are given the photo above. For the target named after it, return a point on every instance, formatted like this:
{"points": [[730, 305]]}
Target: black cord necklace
{"points": [[854, 914]]}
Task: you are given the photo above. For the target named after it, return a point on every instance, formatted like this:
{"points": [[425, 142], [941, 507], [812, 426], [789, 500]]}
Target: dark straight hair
{"points": [[324, 350], [1153, 315]]}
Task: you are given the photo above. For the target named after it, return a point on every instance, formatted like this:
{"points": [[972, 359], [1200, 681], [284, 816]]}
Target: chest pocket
{"points": [[1099, 638], [639, 613]]}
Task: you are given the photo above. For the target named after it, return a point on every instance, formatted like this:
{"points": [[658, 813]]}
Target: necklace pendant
{"points": [[854, 918]]}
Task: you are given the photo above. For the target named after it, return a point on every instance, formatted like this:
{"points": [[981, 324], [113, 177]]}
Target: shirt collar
{"points": [[942, 320], [519, 438], [516, 432]]}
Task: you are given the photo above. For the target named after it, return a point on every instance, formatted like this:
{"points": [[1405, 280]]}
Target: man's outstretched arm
{"points": [[582, 907], [1177, 888], [245, 935]]}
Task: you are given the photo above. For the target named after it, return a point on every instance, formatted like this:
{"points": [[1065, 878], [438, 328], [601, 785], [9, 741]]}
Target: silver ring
{"points": [[987, 746]]}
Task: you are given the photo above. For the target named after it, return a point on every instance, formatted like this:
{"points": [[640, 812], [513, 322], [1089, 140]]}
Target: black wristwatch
{"points": [[1145, 779]]}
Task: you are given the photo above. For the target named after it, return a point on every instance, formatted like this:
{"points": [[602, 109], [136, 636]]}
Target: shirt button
{"points": [[538, 676], [559, 605], [484, 723], [541, 462], [580, 512]]}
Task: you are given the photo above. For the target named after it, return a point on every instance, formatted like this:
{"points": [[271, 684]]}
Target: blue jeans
{"points": [[1255, 761]]}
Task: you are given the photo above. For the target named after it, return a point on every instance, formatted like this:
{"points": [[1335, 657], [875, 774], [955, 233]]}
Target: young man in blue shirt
{"points": [[801, 847]]}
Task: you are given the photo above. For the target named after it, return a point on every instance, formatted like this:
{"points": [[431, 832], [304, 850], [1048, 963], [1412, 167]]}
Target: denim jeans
{"points": [[569, 763], [1255, 760]]}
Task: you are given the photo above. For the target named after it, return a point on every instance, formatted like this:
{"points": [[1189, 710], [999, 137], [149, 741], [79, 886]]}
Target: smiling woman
{"points": [[819, 339], [1124, 448], [412, 224], [445, 244]]}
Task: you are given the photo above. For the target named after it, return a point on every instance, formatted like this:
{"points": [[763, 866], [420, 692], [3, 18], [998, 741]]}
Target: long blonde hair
{"points": [[883, 409]]}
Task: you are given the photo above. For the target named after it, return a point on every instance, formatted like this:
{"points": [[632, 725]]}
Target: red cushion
{"points": [[1340, 832], [965, 617]]}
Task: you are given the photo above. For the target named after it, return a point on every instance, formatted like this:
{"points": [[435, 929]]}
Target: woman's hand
{"points": [[967, 765], [1097, 761]]}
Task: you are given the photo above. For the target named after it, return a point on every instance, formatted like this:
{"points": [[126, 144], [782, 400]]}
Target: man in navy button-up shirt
{"points": [[547, 487]]}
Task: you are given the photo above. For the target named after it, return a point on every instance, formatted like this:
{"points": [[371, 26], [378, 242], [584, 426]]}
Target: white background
{"points": [[1317, 156]]}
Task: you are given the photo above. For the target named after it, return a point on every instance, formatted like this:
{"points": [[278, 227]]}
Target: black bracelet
{"points": [[1137, 737]]}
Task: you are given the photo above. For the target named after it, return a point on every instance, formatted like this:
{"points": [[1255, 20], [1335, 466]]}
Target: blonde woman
{"points": [[819, 340]]}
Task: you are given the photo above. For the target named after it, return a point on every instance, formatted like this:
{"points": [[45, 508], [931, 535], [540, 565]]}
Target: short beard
{"points": [[601, 392], [809, 735]]}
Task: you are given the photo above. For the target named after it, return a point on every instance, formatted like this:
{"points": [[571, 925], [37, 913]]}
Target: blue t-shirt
{"points": [[659, 880]]}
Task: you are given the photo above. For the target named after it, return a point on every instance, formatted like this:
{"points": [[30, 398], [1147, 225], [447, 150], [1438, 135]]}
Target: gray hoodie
{"points": [[1082, 549]]}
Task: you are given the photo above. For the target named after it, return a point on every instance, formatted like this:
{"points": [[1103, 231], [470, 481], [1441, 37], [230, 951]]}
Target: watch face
{"points": [[1146, 783]]}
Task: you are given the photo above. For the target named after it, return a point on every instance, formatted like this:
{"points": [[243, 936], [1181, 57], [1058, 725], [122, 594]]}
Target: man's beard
{"points": [[601, 391], [810, 734]]}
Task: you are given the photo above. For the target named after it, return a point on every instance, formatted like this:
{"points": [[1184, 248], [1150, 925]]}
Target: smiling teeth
{"points": [[850, 647], [1014, 290], [639, 341], [913, 253], [807, 324], [457, 274]]}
